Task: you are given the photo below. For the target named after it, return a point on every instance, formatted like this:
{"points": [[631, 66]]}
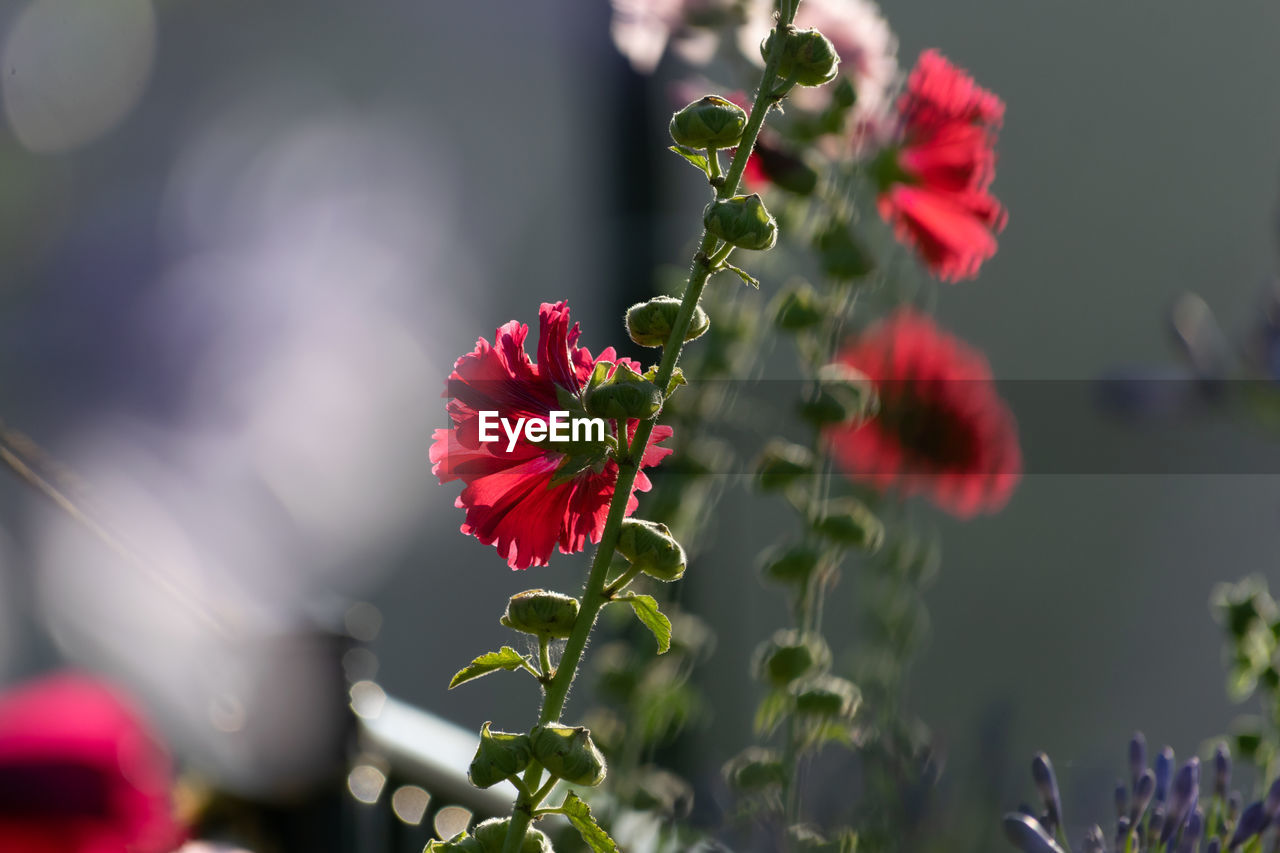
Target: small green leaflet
{"points": [[773, 709], [747, 278], [698, 160], [505, 658], [579, 814], [646, 608]]}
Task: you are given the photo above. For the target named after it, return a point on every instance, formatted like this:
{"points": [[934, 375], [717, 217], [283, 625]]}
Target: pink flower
{"points": [[934, 181], [942, 429], [642, 30], [80, 772], [539, 494]]}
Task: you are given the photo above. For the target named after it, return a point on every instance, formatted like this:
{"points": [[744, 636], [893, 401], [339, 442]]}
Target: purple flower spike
{"points": [[1253, 820], [1142, 793], [1221, 770], [1122, 799], [1027, 835], [1186, 790], [1272, 803], [1047, 785], [1137, 757], [1164, 773]]}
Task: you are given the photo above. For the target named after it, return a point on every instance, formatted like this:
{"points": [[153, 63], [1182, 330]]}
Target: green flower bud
{"points": [[649, 323], [755, 768], [850, 522], [791, 565], [499, 756], [826, 696], [781, 464], [709, 122], [542, 613], [784, 169], [844, 396], [808, 57], [568, 753], [842, 257], [791, 655], [651, 546], [798, 307], [623, 396], [492, 834], [742, 221]]}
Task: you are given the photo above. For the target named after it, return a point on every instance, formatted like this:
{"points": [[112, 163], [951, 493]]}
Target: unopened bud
{"points": [[842, 257], [791, 655], [1027, 835], [850, 522], [650, 546], [741, 221], [650, 323], [500, 756], [781, 464], [798, 308], [755, 768], [624, 395], [826, 696], [542, 613], [808, 57], [568, 753], [844, 396], [710, 122], [492, 835], [782, 168], [792, 564]]}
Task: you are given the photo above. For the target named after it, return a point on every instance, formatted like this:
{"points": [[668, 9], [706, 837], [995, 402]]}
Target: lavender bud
{"points": [[1191, 835], [1137, 757], [1272, 804], [1047, 784], [1215, 846], [1094, 841], [1122, 799], [1027, 835], [1164, 773], [1186, 790], [1221, 770], [1252, 821], [1142, 793]]}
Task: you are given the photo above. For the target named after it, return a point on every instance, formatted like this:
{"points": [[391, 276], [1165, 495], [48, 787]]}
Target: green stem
{"points": [[593, 597], [544, 657]]}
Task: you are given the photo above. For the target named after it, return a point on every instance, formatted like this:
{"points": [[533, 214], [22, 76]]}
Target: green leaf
{"points": [[505, 658], [579, 814], [746, 277], [772, 710], [698, 159], [646, 609]]}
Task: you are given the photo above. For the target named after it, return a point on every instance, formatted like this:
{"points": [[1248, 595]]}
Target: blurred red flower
{"points": [[527, 500], [80, 772], [942, 430], [934, 182]]}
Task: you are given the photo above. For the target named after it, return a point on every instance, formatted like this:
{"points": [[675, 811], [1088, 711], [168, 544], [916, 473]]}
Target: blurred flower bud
{"points": [[1272, 802], [1221, 770], [826, 696], [1094, 840], [781, 167], [850, 522], [789, 656], [741, 221], [492, 834], [1121, 799], [781, 463], [1142, 793], [792, 564], [1137, 757], [755, 768], [1025, 833], [843, 396], [1047, 784], [798, 307], [1253, 820], [710, 122], [542, 613], [625, 395], [499, 756], [649, 323], [808, 57], [843, 258], [1164, 773], [650, 546], [568, 753]]}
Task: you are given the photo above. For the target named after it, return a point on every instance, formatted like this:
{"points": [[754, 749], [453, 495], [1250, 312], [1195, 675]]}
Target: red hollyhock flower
{"points": [[942, 430], [933, 182], [538, 495], [80, 772]]}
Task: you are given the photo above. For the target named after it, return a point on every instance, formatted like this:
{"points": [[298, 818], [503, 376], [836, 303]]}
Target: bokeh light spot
{"points": [[410, 802]]}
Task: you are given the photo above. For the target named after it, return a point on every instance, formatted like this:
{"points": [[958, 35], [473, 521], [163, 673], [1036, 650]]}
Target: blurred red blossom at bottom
{"points": [[80, 772], [942, 429]]}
